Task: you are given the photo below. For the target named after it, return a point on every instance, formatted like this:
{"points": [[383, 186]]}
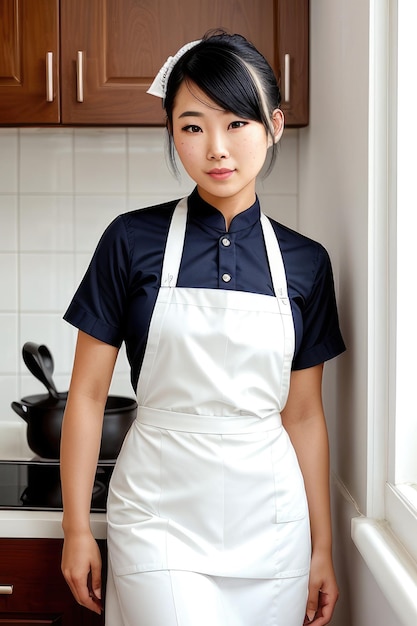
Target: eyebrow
{"points": [[191, 114]]}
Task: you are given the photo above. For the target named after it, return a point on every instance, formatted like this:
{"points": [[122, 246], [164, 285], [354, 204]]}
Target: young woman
{"points": [[218, 508]]}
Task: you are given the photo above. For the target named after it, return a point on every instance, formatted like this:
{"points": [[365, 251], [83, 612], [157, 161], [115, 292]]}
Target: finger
{"points": [[312, 603], [72, 584], [325, 610], [94, 581], [81, 589], [82, 593], [96, 589], [88, 599]]}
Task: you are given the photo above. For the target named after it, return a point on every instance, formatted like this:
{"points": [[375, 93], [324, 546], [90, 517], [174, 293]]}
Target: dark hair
{"points": [[233, 74]]}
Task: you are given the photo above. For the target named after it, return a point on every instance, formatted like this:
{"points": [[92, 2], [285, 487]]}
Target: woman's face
{"points": [[222, 152]]}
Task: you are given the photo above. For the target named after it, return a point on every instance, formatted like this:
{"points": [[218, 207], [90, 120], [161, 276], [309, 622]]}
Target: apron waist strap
{"points": [[191, 423]]}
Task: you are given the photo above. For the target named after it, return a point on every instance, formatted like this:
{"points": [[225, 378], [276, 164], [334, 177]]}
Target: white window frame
{"points": [[400, 491], [387, 536]]}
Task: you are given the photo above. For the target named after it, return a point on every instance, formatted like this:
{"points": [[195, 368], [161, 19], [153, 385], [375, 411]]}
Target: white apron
{"points": [[207, 480]]}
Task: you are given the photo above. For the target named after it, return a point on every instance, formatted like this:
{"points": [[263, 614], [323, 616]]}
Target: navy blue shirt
{"points": [[116, 297]]}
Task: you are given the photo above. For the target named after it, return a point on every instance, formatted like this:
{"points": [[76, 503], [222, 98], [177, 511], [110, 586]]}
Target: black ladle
{"points": [[40, 363]]}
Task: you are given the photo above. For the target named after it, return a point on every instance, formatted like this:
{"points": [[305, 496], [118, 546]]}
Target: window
{"points": [[401, 489], [392, 420]]}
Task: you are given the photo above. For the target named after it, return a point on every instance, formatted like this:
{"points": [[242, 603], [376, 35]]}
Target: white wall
{"points": [[59, 188], [333, 207]]}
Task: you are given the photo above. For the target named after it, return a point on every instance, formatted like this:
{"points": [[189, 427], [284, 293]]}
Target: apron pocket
{"points": [[290, 495], [286, 517], [293, 545], [136, 549], [292, 521]]}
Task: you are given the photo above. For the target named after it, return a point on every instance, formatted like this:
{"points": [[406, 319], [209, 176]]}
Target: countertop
{"points": [[33, 524], [40, 524]]}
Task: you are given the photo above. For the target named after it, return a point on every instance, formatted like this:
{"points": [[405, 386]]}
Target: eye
{"points": [[192, 128], [237, 124]]}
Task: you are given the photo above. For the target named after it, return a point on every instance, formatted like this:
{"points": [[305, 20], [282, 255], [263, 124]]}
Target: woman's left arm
{"points": [[303, 418]]}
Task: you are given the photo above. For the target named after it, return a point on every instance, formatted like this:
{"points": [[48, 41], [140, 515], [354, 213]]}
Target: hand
{"points": [[322, 590], [81, 567]]}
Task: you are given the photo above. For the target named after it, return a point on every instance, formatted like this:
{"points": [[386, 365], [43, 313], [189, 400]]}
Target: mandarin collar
{"points": [[203, 212]]}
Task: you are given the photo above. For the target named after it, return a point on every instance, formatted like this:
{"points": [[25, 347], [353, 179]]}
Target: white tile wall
{"points": [[59, 188]]}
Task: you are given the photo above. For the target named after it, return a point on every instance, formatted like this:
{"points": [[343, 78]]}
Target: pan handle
{"points": [[21, 410]]}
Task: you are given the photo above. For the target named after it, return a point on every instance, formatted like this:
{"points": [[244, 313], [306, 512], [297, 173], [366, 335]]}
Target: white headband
{"points": [[159, 85]]}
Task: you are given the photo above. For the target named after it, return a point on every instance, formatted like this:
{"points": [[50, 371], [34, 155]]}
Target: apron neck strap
{"points": [[174, 245], [276, 264]]}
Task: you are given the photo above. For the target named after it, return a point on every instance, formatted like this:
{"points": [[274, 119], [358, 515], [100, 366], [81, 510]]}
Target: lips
{"points": [[220, 173]]}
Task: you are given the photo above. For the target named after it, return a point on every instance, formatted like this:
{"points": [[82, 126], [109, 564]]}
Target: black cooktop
{"points": [[35, 485]]}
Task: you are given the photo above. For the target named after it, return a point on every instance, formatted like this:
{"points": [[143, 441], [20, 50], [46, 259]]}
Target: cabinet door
{"points": [[31, 569], [29, 62], [293, 42], [120, 46]]}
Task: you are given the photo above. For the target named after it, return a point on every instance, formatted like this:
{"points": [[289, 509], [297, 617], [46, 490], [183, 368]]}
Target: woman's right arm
{"points": [[80, 444]]}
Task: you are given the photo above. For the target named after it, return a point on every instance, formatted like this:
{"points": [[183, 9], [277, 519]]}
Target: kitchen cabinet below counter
{"points": [[33, 589]]}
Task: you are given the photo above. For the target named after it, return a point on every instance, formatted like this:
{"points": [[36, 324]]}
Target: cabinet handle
{"points": [[6, 590], [49, 77], [80, 76], [287, 77]]}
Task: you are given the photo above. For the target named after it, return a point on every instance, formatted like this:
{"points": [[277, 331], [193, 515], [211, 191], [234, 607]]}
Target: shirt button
{"points": [[226, 278], [226, 242]]}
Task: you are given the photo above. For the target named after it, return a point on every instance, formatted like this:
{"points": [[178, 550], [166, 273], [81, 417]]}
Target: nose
{"points": [[217, 155], [217, 149]]}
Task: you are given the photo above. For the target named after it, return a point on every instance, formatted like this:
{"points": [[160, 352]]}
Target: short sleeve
{"points": [[321, 338], [98, 306]]}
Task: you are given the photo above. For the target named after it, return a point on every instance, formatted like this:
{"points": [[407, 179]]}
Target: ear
{"points": [[278, 123]]}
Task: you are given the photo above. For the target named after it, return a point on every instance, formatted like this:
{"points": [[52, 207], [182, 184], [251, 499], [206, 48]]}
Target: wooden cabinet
{"points": [[110, 50], [292, 65], [29, 61], [31, 569]]}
